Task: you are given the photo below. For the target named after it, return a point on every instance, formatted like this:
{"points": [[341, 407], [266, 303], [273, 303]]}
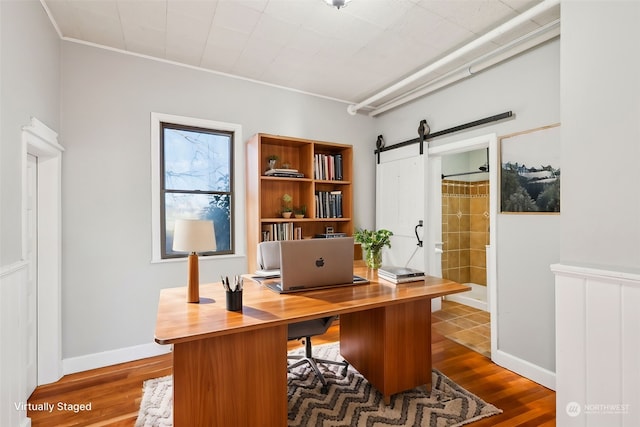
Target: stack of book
{"points": [[330, 235], [400, 274], [328, 167], [288, 173], [281, 231], [328, 204]]}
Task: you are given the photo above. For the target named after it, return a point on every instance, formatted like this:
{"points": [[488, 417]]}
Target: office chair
{"points": [[269, 259], [304, 331]]}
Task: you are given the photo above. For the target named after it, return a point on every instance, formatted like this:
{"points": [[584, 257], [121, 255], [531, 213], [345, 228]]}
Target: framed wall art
{"points": [[530, 171]]}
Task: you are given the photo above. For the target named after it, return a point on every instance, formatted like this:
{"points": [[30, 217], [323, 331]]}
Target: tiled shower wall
{"points": [[465, 230]]}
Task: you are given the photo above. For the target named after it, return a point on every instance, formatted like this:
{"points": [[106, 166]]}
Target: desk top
{"points": [[179, 321]]}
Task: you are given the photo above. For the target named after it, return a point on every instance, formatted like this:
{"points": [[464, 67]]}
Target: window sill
{"points": [[200, 258]]}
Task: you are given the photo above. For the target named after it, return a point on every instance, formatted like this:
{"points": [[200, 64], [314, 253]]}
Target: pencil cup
{"points": [[234, 300]]}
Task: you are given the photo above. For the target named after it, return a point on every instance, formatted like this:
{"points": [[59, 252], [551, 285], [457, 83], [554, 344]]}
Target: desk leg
{"points": [[390, 346], [231, 380]]}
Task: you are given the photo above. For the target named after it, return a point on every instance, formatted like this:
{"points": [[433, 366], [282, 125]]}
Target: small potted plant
{"points": [[372, 243], [271, 160], [287, 210], [300, 211]]}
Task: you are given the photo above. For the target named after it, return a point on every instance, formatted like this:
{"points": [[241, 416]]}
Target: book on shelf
{"points": [[289, 173], [328, 204], [330, 235], [328, 167], [281, 231]]}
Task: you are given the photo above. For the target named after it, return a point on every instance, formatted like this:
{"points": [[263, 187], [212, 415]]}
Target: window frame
{"points": [[157, 190]]}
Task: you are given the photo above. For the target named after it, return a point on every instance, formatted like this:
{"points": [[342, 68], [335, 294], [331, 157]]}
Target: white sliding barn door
{"points": [[400, 205]]}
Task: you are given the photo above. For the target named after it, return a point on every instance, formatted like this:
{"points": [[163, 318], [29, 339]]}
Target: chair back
{"points": [[268, 255]]}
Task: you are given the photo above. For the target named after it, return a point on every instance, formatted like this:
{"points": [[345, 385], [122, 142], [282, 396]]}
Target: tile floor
{"points": [[465, 325]]}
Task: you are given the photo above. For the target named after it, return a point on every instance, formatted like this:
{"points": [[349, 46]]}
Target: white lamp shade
{"points": [[192, 235]]}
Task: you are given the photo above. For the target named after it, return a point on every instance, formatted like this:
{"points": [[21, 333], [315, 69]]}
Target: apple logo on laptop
{"points": [[320, 262]]}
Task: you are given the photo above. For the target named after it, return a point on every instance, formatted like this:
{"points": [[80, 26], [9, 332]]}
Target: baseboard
{"points": [[526, 369], [113, 357]]}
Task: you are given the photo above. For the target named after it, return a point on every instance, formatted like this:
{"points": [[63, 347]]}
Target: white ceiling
{"points": [[306, 45]]}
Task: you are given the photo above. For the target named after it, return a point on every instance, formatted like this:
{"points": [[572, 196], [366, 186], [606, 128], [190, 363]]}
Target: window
{"points": [[193, 179]]}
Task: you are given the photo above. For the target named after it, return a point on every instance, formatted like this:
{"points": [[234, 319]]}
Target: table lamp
{"points": [[191, 235]]}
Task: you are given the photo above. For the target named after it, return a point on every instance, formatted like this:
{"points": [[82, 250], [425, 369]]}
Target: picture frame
{"points": [[530, 171]]}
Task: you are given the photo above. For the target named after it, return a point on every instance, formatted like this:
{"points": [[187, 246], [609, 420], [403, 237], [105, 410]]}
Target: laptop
{"points": [[315, 264]]}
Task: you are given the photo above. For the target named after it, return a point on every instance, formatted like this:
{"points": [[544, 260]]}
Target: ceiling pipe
{"points": [[486, 38], [526, 42]]}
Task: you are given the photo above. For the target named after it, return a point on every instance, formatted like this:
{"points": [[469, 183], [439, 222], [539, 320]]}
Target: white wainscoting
{"points": [[597, 347], [13, 347]]}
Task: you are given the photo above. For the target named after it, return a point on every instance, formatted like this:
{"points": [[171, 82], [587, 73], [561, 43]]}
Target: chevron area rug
{"points": [[349, 401]]}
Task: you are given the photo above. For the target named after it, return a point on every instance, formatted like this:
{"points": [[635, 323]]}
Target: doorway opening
{"points": [[40, 143], [465, 223], [463, 196]]}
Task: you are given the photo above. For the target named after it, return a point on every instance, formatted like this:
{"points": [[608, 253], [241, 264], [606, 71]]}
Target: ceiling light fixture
{"points": [[337, 3]]}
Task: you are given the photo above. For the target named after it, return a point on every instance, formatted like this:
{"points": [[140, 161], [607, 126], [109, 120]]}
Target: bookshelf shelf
{"points": [[325, 189]]}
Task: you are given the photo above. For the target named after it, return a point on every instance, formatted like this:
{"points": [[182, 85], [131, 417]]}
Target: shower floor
{"points": [[465, 325]]}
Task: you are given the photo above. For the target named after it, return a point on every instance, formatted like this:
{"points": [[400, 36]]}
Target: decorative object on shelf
{"points": [[287, 210], [272, 159], [191, 235], [372, 243], [300, 211]]}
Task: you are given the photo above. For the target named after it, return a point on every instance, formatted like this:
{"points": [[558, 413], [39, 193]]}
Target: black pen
{"points": [[224, 284]]}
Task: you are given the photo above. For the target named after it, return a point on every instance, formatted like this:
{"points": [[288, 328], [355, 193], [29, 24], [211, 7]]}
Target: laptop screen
{"points": [[315, 263]]}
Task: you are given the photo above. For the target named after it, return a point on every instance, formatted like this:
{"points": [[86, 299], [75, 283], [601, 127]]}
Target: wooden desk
{"points": [[231, 368]]}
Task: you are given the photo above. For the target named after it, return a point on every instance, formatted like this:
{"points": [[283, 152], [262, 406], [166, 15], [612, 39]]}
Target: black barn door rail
{"points": [[424, 134]]}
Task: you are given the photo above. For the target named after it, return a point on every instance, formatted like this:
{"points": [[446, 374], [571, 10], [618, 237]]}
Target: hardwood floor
{"points": [[115, 391]]}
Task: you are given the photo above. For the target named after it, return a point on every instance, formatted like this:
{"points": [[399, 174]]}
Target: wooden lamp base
{"points": [[193, 288]]}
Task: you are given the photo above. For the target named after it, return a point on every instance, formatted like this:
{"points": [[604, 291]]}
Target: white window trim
{"points": [[238, 182]]}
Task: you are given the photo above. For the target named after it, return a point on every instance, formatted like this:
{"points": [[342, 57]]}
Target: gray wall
{"points": [[529, 86], [110, 288], [601, 134], [29, 87]]}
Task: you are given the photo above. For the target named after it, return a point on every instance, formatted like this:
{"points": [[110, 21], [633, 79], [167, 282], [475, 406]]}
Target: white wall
{"points": [[528, 85], [29, 85], [110, 288], [598, 280], [601, 138]]}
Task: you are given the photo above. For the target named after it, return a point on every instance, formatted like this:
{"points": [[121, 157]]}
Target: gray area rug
{"points": [[350, 400]]}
